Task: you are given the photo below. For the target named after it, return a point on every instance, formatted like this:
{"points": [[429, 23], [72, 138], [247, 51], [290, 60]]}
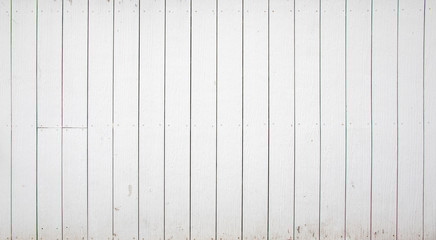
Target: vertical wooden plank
{"points": [[359, 157], [49, 63], [75, 52], [256, 119], [126, 57], [99, 174], [5, 119], [229, 114], [74, 112], [203, 150], [410, 117], [281, 182], [307, 134], [100, 119], [49, 183], [74, 184], [430, 120], [151, 135], [332, 205], [384, 102], [177, 114], [24, 120], [49, 118]]}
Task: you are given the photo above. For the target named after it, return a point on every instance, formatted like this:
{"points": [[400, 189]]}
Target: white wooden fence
{"points": [[218, 119]]}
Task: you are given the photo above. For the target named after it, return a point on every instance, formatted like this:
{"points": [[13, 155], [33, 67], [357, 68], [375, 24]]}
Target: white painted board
{"points": [[332, 199], [410, 117], [74, 117], [24, 120], [307, 116], [49, 118], [191, 119], [49, 221], [177, 120], [281, 161], [203, 148], [151, 118], [100, 83], [358, 92], [5, 119], [75, 63], [229, 115], [49, 63], [430, 120], [125, 138], [384, 112], [255, 120], [74, 156]]}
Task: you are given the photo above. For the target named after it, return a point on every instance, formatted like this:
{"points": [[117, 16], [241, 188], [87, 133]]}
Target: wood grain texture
{"points": [[125, 128], [75, 64], [256, 120], [5, 119], [203, 143], [430, 120], [332, 205], [217, 119], [178, 120], [75, 120], [410, 117], [24, 120], [229, 115], [151, 117], [281, 161], [49, 118], [384, 98], [49, 221], [100, 135], [359, 119], [307, 116], [75, 180]]}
